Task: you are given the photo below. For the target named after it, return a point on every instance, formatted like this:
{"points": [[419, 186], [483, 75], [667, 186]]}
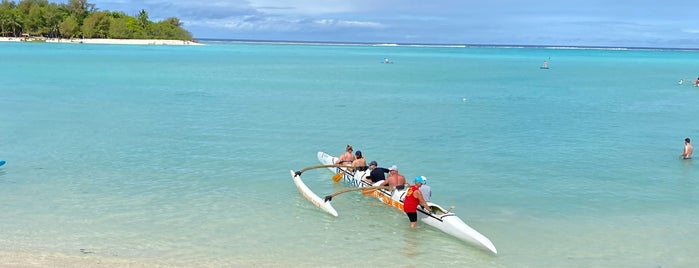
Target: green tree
{"points": [[143, 19], [53, 17], [169, 29], [135, 27], [17, 23], [96, 25], [119, 29], [35, 22], [174, 21], [8, 20], [39, 17], [80, 9], [70, 27], [32, 15]]}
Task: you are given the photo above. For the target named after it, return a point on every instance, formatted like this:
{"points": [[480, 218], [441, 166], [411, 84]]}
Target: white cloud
{"points": [[348, 23], [280, 24], [691, 31]]}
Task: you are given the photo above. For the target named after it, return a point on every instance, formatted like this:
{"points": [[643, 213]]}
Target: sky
{"points": [[620, 23]]}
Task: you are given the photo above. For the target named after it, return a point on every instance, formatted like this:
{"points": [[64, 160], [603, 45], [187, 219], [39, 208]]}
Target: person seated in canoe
{"points": [[346, 158], [359, 162], [395, 179], [376, 174]]}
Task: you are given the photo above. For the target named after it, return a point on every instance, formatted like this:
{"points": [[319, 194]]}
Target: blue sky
{"points": [[641, 23]]}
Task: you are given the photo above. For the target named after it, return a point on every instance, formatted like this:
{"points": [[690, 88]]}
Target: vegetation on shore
{"points": [[78, 18]]}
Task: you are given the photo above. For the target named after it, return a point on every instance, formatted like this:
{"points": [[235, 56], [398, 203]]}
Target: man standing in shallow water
{"points": [[413, 197], [688, 149]]}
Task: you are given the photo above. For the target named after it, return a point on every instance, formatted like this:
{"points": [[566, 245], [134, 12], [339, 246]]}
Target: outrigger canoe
{"points": [[440, 218]]}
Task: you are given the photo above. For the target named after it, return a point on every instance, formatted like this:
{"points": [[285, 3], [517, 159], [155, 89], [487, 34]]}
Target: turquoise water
{"points": [[181, 155]]}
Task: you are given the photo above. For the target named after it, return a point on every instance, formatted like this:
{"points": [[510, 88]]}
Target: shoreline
{"points": [[17, 259], [104, 41]]}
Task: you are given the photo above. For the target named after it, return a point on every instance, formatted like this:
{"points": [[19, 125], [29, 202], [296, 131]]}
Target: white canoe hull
{"points": [[441, 219], [311, 196]]}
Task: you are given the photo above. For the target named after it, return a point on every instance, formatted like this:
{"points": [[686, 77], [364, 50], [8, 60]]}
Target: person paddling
{"points": [[413, 197]]}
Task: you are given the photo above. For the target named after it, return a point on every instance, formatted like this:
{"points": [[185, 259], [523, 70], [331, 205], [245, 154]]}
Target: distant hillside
{"points": [[78, 18]]}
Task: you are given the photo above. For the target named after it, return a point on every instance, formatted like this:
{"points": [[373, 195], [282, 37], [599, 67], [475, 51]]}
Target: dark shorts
{"points": [[412, 216]]}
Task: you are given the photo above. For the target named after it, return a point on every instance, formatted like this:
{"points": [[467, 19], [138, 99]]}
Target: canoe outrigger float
{"points": [[440, 218]]}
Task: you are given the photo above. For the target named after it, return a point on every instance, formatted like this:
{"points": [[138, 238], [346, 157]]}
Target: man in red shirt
{"points": [[413, 197]]}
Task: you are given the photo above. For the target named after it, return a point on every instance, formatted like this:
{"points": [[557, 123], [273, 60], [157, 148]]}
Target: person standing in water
{"points": [[413, 197], [688, 149], [425, 189]]}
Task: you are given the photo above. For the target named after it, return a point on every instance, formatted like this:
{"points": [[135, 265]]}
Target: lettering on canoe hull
{"points": [[387, 200]]}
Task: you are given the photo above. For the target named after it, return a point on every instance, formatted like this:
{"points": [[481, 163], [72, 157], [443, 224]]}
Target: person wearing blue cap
{"points": [[413, 197], [425, 189]]}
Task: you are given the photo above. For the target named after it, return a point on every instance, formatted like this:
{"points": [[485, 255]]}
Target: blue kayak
{"points": [[2, 162]]}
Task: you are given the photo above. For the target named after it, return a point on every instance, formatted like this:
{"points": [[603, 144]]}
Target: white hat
{"points": [[394, 167]]}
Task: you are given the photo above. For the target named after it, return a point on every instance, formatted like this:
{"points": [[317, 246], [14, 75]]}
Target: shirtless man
{"points": [[394, 178], [346, 158], [688, 149]]}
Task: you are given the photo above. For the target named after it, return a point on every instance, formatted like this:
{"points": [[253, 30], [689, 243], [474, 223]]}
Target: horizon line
{"points": [[443, 44]]}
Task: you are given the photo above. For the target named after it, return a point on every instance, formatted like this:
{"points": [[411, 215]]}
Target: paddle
{"points": [[337, 177], [329, 198]]}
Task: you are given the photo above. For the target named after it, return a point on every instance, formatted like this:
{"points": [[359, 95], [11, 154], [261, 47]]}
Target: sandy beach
{"points": [[109, 41]]}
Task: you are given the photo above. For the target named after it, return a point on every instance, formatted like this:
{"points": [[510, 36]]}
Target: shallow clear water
{"points": [[182, 154]]}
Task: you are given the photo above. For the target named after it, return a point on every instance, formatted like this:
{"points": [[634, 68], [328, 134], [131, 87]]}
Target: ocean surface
{"points": [[180, 156]]}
